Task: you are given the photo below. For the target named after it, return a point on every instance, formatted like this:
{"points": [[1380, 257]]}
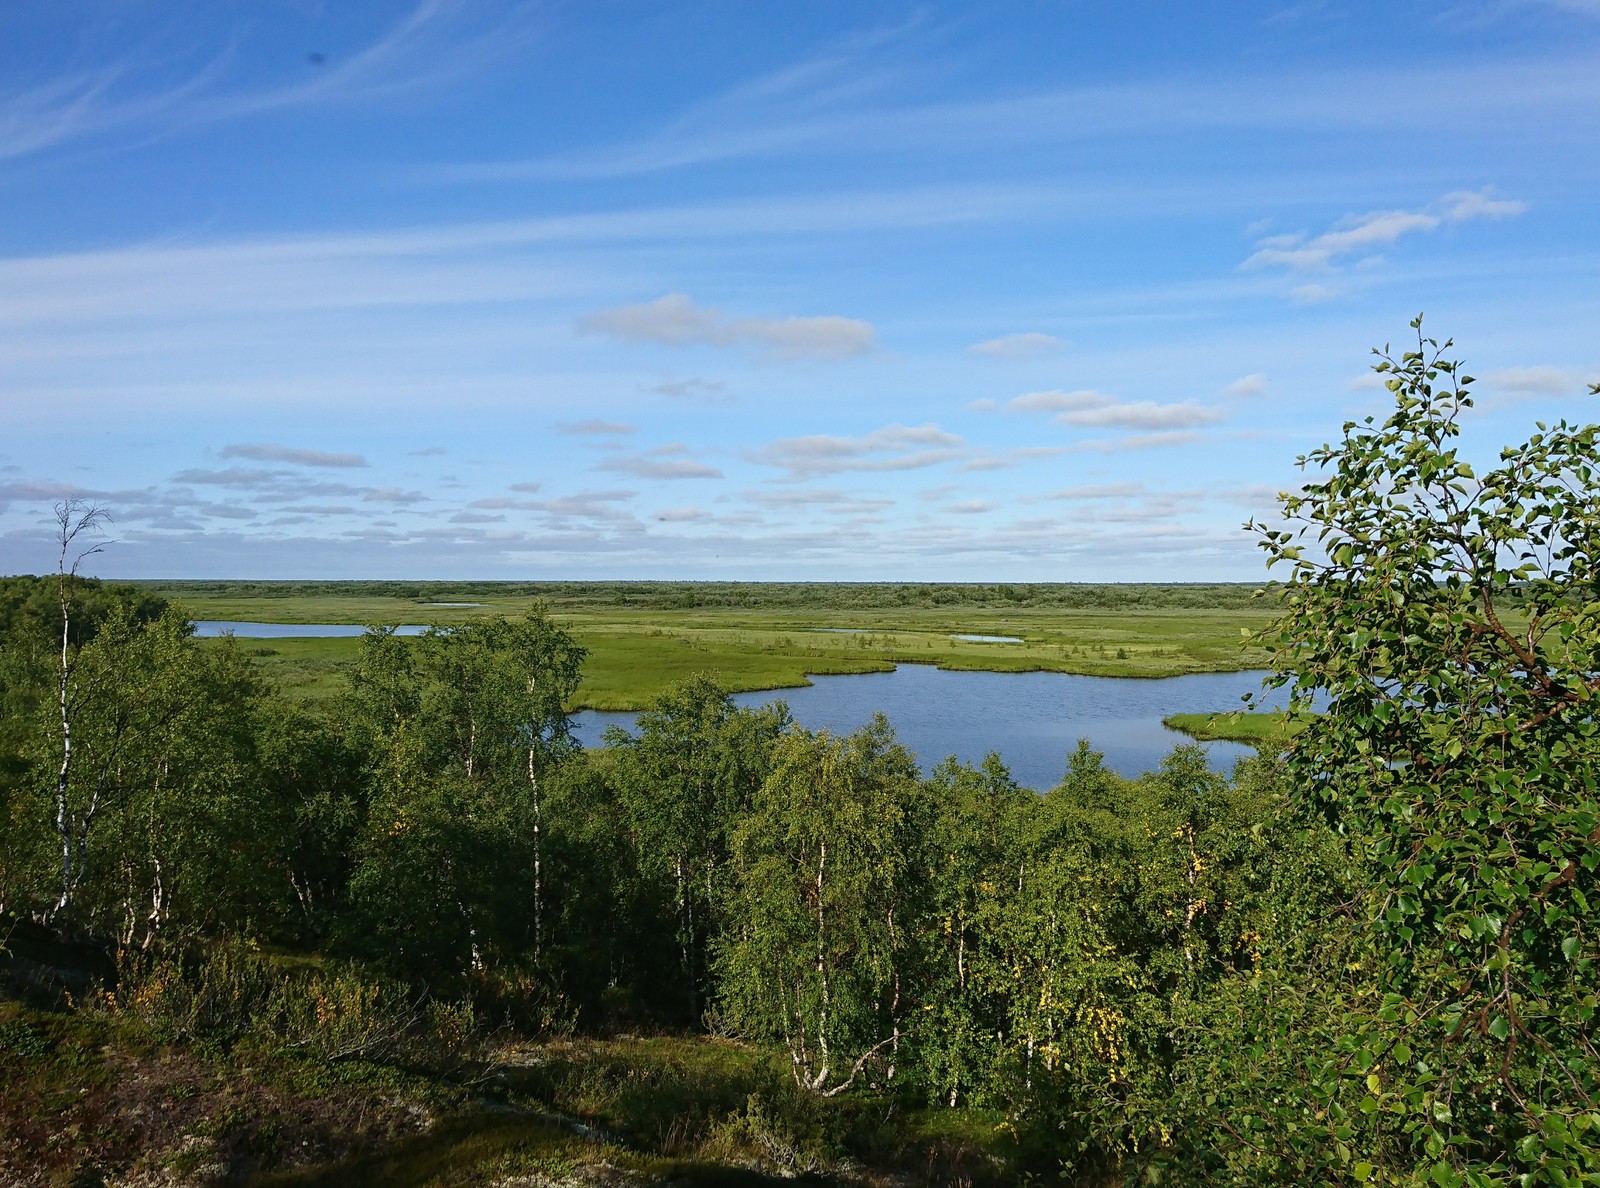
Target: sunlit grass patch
{"points": [[636, 652], [1237, 726]]}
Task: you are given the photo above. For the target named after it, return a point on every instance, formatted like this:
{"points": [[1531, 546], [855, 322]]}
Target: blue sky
{"points": [[1016, 291]]}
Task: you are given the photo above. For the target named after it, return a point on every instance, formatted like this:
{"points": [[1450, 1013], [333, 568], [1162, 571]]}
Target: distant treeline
{"points": [[751, 595]]}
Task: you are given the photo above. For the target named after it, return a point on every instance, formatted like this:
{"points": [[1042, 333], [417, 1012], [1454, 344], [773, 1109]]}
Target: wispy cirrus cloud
{"points": [[424, 47], [291, 454], [675, 320], [822, 107], [1354, 234]]}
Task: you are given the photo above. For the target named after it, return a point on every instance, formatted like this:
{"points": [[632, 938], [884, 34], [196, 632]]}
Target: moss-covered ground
{"points": [[88, 1099]]}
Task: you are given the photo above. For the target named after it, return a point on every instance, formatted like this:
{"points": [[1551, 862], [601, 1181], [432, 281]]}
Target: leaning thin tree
{"points": [[74, 519]]}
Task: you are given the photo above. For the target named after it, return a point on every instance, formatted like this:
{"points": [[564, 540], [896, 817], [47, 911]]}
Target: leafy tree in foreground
{"points": [[462, 732], [824, 903], [1450, 621], [684, 780]]}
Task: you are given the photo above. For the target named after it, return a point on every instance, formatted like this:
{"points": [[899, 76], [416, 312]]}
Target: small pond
{"points": [[1033, 719], [989, 638], [211, 628]]}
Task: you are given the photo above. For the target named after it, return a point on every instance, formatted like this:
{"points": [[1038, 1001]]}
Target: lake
{"points": [[1033, 719], [211, 628]]}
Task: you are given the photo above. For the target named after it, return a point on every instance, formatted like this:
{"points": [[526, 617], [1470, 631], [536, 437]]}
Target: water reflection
{"points": [[1033, 719]]}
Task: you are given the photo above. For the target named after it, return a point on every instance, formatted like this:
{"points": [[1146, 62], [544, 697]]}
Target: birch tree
{"points": [[824, 903], [686, 777]]}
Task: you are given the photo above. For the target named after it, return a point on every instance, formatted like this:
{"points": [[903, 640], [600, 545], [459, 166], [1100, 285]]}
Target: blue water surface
{"points": [[1032, 719], [211, 628]]}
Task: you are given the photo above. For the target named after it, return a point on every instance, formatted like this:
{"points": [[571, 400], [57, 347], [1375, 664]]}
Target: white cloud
{"points": [[1355, 233], [663, 462], [1156, 441], [1477, 204], [1056, 401], [1089, 408], [297, 457], [1030, 345], [677, 321], [393, 495], [236, 476], [595, 428], [587, 505], [1247, 385], [892, 448], [987, 462], [694, 388], [970, 507], [1098, 491], [1142, 415], [1256, 495], [1300, 253], [43, 491], [1140, 441], [506, 502], [1529, 382], [800, 497], [682, 515], [1313, 294]]}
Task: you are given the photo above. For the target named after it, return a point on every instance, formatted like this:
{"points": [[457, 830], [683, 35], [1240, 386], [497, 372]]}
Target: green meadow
{"points": [[1273, 729], [643, 637]]}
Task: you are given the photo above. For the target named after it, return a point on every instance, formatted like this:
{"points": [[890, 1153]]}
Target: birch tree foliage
{"points": [[463, 728], [154, 827], [824, 902], [982, 820], [1450, 620], [691, 770]]}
